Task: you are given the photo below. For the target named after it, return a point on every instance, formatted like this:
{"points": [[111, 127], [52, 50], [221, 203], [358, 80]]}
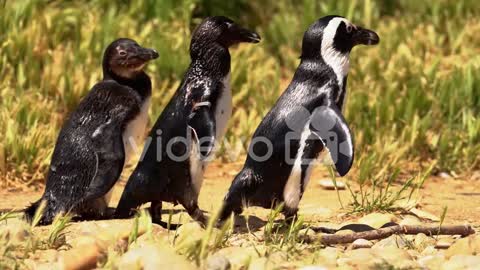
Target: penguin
{"points": [[96, 139], [185, 134], [306, 119]]}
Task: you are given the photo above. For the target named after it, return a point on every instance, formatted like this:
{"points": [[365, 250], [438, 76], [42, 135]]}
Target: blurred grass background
{"points": [[413, 100]]}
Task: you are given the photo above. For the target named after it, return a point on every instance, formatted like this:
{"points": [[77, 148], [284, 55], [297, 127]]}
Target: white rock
{"points": [[330, 185], [462, 262], [361, 243], [443, 244]]}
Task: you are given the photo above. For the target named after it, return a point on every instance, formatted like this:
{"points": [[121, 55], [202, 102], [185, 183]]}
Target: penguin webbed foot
{"points": [[197, 215]]}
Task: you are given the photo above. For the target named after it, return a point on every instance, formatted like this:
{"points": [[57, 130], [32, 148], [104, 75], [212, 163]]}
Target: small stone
{"points": [[50, 255], [462, 262], [413, 253], [361, 243], [153, 256], [430, 250], [432, 261], [445, 175], [82, 257], [218, 262], [16, 231], [259, 264], [410, 220], [238, 256], [424, 215], [377, 220], [396, 257], [187, 234], [328, 256], [307, 235], [359, 259], [392, 241], [443, 244], [421, 241], [465, 246], [329, 184]]}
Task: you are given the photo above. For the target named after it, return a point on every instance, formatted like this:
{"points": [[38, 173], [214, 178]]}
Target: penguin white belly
{"points": [[135, 131], [292, 189], [196, 167], [223, 112], [132, 138]]}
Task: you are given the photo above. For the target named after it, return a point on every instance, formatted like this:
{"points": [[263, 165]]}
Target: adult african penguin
{"points": [[95, 141], [306, 118], [185, 134]]}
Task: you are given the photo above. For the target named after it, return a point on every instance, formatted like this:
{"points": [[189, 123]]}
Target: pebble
{"points": [[82, 257], [329, 184], [432, 261], [187, 234], [445, 175], [377, 220], [218, 262], [462, 262], [392, 241], [396, 257], [424, 215], [443, 244], [238, 256], [153, 256], [328, 256], [307, 235], [260, 264], [410, 220], [464, 246], [361, 243], [421, 241]]}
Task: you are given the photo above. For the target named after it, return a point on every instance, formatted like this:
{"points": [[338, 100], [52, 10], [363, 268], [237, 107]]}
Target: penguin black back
{"points": [[306, 118], [89, 154], [184, 135]]}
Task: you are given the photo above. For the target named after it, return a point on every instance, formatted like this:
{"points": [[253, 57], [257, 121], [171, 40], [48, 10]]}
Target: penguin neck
{"points": [[141, 83], [212, 61], [316, 73]]}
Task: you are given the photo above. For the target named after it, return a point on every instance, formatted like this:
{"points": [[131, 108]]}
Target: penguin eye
{"points": [[122, 53], [349, 28]]}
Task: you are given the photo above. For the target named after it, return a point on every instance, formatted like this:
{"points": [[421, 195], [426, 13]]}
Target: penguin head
{"points": [[335, 35], [125, 58], [220, 30]]}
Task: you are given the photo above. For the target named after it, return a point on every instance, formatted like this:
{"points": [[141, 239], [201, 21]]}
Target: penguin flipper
{"points": [[202, 123], [110, 155], [329, 125]]}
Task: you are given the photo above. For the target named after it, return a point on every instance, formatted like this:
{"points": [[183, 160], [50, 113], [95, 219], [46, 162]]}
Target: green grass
{"points": [[414, 99]]}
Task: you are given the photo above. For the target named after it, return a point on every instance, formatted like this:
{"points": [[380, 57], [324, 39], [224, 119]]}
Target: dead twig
{"points": [[462, 230]]}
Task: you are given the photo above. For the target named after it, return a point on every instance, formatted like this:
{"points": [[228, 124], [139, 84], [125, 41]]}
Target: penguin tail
{"points": [[243, 187], [31, 210], [39, 210]]}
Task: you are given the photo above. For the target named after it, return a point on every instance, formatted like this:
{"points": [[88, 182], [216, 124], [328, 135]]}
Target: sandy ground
{"points": [[462, 197]]}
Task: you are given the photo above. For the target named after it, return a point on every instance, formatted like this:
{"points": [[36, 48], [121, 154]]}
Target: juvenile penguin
{"points": [[306, 119], [95, 141], [184, 135]]}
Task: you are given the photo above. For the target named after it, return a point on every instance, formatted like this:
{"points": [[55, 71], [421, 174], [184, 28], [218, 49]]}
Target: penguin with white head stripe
{"points": [[306, 119]]}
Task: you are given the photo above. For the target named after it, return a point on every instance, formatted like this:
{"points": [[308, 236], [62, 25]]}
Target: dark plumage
{"points": [[172, 167], [89, 154]]}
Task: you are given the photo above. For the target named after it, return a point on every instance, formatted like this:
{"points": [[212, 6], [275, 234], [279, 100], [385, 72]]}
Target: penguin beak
{"points": [[365, 37], [146, 54], [243, 34]]}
